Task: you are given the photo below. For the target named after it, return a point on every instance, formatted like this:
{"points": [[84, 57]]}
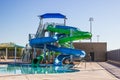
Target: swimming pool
{"points": [[28, 69]]}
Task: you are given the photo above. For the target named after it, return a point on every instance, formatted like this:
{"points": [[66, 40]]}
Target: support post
{"points": [[71, 46], [6, 54], [44, 51], [64, 21], [91, 19], [49, 56], [15, 54], [34, 53]]}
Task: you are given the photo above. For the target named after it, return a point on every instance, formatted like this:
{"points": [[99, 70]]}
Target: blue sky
{"points": [[18, 18]]}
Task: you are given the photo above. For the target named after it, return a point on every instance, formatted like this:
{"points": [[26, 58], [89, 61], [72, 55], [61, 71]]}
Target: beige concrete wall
{"points": [[99, 49]]}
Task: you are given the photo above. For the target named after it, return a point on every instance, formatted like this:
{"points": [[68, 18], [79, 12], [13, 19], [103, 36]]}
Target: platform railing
{"points": [[31, 36]]}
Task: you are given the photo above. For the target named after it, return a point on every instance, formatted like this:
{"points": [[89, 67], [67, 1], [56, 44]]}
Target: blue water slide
{"points": [[36, 42], [39, 43], [58, 61], [67, 51]]}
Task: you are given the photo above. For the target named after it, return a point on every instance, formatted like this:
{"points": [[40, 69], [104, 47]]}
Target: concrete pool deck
{"points": [[92, 71]]}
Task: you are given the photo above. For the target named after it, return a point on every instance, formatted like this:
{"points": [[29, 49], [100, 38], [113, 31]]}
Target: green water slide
{"points": [[37, 60], [72, 32]]}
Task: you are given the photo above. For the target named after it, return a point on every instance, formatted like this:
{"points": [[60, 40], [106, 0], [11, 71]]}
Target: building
{"points": [[96, 51], [9, 50]]}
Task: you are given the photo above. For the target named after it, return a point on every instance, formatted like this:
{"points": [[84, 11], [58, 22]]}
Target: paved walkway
{"points": [[111, 68], [92, 71]]}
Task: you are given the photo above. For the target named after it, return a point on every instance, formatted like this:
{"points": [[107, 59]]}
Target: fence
{"points": [[113, 55]]}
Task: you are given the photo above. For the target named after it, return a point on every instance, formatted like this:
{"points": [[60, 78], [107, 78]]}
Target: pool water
{"points": [[27, 69]]}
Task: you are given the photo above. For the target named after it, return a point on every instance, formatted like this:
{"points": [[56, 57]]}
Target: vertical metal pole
{"points": [[91, 19], [15, 53], [64, 22], [6, 53], [49, 56], [91, 30], [44, 50], [49, 50], [34, 53], [15, 58], [41, 21], [71, 45], [30, 37]]}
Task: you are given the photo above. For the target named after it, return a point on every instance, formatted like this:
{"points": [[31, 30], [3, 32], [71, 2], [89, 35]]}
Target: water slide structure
{"points": [[36, 61], [59, 35]]}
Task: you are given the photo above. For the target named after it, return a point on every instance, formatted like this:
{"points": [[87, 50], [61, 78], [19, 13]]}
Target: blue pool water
{"points": [[42, 69]]}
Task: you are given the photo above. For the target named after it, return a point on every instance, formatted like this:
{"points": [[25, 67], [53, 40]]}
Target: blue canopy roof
{"points": [[52, 15]]}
